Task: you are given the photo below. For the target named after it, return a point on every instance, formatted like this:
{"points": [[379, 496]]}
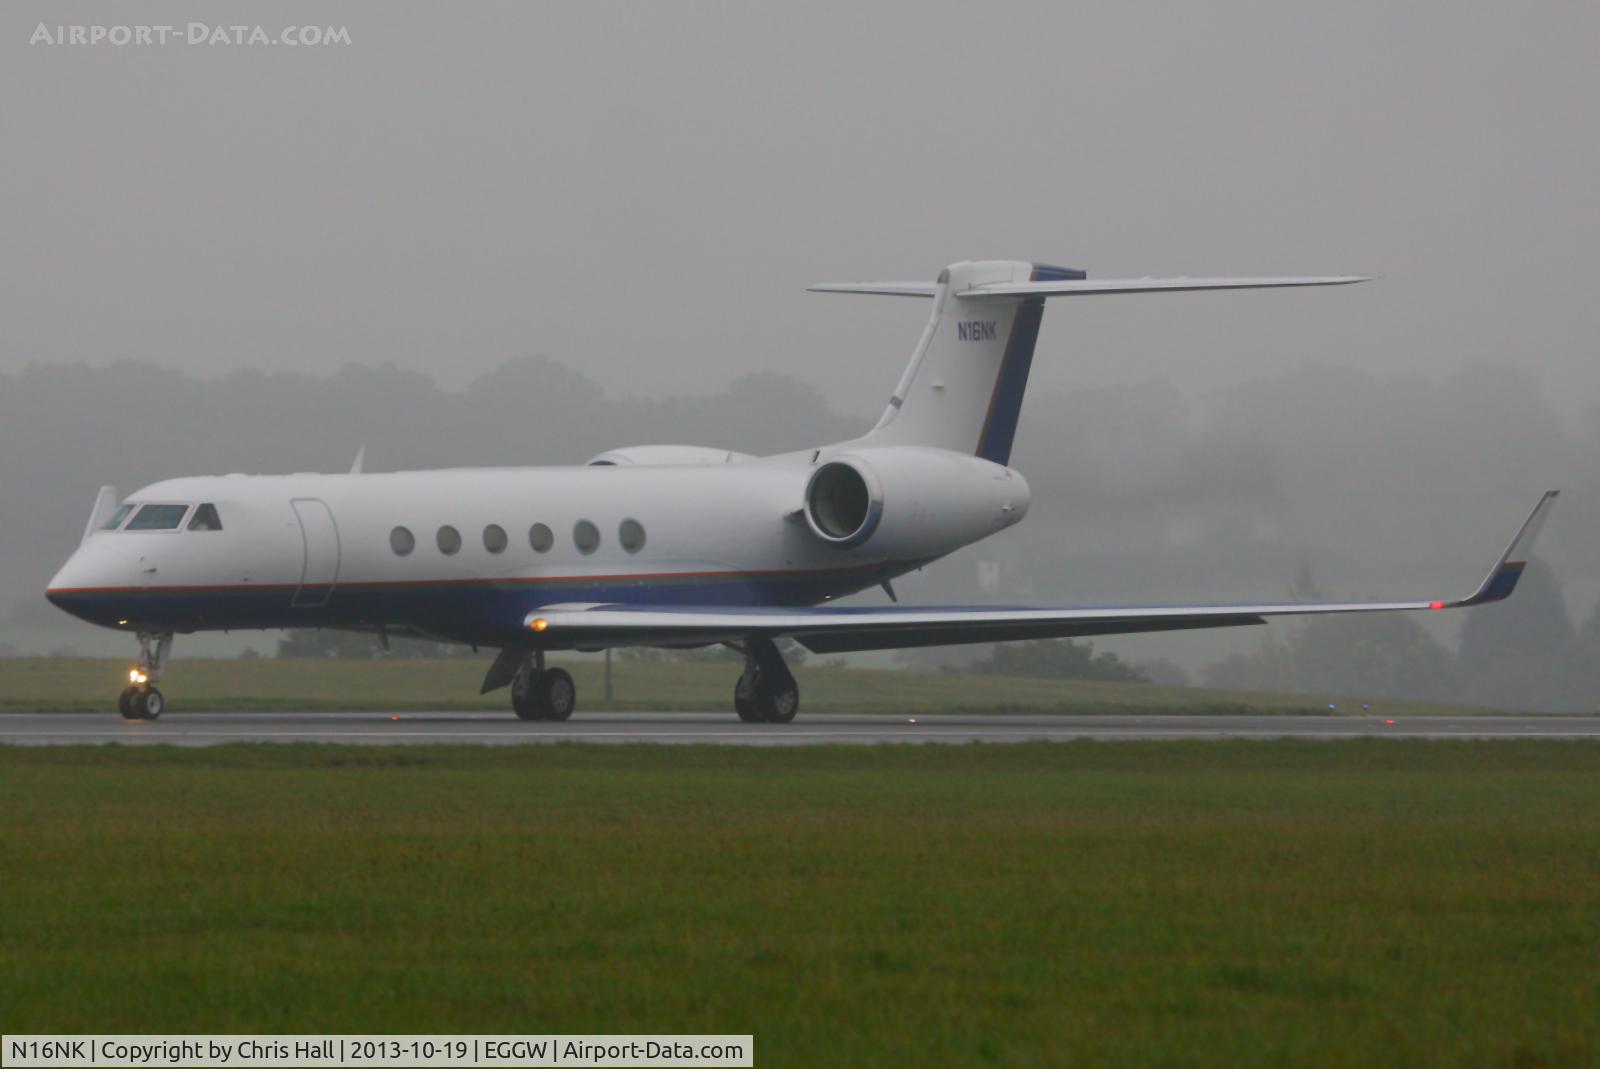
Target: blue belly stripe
{"points": [[476, 611]]}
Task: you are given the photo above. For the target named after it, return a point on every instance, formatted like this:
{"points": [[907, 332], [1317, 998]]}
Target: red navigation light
{"points": [[1435, 604]]}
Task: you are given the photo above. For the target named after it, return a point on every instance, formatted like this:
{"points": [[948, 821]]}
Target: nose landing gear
{"points": [[140, 700]]}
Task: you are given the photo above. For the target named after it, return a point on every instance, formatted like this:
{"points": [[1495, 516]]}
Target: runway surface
{"points": [[484, 728]]}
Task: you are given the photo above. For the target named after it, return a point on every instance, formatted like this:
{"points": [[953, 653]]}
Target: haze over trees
{"points": [[1383, 486], [1057, 659]]}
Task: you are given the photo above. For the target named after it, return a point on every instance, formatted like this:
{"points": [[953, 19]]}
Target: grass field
{"points": [[1261, 904], [47, 683]]}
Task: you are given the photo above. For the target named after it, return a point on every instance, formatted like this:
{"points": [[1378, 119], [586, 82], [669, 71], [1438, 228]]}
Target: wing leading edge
{"points": [[834, 629]]}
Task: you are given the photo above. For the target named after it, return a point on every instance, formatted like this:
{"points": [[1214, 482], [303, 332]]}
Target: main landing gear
{"points": [[540, 693], [140, 700], [766, 693]]}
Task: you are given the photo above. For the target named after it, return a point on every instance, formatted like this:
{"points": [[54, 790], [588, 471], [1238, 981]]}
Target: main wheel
{"points": [[525, 696], [745, 700], [125, 702], [757, 703], [782, 705], [557, 693]]}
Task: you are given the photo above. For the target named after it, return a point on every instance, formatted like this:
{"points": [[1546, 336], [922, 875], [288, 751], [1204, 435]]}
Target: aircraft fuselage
{"points": [[481, 549]]}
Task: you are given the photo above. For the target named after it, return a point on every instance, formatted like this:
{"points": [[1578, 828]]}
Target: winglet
{"points": [[1502, 578]]}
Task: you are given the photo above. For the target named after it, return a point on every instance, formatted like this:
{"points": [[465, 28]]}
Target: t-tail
{"points": [[963, 388]]}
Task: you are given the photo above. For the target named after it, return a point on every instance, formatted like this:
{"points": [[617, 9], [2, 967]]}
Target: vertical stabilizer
{"points": [[963, 387]]}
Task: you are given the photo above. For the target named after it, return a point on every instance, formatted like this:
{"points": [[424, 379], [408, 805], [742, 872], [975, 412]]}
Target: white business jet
{"points": [[655, 545]]}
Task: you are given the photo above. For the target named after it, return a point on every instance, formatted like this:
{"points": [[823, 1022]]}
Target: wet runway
{"points": [[486, 728]]}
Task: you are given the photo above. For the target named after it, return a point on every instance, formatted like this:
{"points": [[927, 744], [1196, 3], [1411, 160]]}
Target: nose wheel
{"points": [[141, 703], [140, 700]]}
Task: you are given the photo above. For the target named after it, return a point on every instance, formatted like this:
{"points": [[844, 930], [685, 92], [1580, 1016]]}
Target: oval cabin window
{"points": [[586, 536]]}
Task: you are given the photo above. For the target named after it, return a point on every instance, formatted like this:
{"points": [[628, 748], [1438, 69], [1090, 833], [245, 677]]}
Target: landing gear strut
{"points": [[140, 700], [540, 693], [766, 693]]}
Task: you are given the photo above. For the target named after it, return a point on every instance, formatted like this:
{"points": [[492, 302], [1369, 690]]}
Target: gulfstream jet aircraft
{"points": [[668, 546]]}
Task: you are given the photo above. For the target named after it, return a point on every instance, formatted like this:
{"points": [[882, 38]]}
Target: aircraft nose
{"points": [[78, 573], [84, 582]]}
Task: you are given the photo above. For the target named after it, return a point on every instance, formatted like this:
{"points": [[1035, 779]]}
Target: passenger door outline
{"points": [[320, 552]]}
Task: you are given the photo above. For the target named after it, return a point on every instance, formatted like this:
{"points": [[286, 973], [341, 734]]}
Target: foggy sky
{"points": [[644, 191]]}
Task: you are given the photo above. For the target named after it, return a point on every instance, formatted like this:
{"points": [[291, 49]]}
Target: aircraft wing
{"points": [[833, 629]]}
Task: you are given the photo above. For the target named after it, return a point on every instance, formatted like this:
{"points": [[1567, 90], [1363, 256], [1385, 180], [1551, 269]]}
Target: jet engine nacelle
{"points": [[661, 456], [908, 502]]}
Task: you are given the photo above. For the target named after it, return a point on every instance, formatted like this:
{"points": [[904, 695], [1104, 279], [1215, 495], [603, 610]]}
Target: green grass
{"points": [[66, 684], [1233, 903]]}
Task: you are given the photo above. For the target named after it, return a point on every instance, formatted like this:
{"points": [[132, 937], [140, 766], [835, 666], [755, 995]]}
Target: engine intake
{"points": [[910, 502], [843, 503]]}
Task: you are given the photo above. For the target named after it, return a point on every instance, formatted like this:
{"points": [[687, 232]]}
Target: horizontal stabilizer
{"points": [[1087, 287], [881, 289]]}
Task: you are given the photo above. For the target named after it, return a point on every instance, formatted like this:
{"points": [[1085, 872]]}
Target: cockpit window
{"points": [[205, 518], [116, 518], [158, 518]]}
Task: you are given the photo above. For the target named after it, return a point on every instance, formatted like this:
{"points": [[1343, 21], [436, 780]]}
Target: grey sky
{"points": [[643, 191]]}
